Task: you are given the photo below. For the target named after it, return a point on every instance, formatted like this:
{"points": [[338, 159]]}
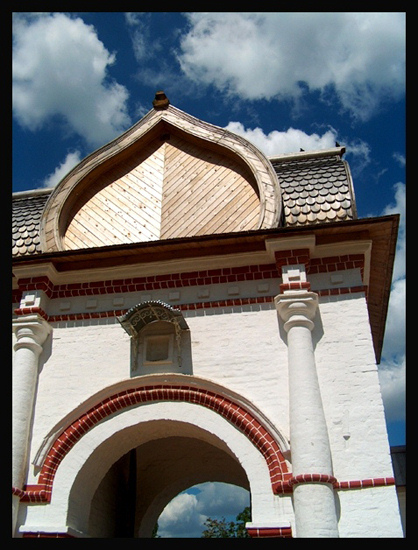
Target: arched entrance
{"points": [[140, 484], [112, 471]]}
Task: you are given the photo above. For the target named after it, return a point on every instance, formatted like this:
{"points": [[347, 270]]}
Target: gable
{"points": [[172, 187], [169, 176]]}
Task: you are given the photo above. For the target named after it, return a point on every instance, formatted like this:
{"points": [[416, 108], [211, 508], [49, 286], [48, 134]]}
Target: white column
{"points": [[314, 504], [31, 332]]}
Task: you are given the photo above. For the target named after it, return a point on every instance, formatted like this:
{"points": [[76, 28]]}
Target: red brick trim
{"points": [[36, 283], [270, 532], [32, 493], [235, 302], [38, 493], [118, 312], [31, 310], [292, 257], [287, 486], [16, 295], [336, 263], [365, 483], [234, 413], [303, 285], [194, 278], [319, 265], [152, 282], [311, 478], [343, 290]]}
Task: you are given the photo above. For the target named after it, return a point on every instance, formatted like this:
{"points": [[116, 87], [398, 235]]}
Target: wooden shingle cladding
{"points": [[198, 178], [316, 187], [173, 187]]}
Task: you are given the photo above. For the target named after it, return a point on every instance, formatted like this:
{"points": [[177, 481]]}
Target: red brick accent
{"points": [[365, 483], [234, 413], [303, 285], [287, 485], [151, 282], [16, 296], [193, 278], [233, 302], [39, 493], [292, 257], [312, 478], [37, 283], [118, 312], [337, 263], [344, 290], [270, 532], [319, 265], [31, 310]]}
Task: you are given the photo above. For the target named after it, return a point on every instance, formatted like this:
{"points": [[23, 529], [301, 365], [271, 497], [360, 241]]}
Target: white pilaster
{"points": [[31, 332], [314, 504]]}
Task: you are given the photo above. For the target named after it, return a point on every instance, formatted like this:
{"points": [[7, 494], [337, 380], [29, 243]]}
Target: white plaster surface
{"points": [[244, 349]]}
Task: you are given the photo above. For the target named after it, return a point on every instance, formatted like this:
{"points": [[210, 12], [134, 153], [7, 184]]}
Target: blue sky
{"points": [[284, 81]]}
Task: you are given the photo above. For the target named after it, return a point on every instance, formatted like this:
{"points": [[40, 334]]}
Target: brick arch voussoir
{"points": [[235, 413]]}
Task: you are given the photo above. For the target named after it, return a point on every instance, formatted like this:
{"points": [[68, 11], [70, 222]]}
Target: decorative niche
{"points": [[160, 339]]}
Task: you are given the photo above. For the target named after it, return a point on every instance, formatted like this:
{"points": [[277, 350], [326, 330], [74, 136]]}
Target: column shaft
{"points": [[31, 332], [314, 504]]}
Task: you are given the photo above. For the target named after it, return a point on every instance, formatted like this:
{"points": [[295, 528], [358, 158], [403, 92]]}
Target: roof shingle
{"points": [[316, 188], [26, 215]]}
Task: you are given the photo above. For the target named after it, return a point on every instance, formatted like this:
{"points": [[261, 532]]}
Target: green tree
{"points": [[222, 529], [155, 534]]}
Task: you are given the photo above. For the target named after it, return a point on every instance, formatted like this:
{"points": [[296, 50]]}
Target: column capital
{"points": [[297, 308], [31, 331]]}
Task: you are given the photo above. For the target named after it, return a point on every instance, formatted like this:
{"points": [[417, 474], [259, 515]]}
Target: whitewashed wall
{"points": [[244, 349]]}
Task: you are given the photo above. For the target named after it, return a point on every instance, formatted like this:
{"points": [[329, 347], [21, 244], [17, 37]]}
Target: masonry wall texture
{"points": [[244, 349]]}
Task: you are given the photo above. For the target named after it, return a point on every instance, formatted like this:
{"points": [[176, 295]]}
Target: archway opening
{"points": [[173, 457], [209, 507]]}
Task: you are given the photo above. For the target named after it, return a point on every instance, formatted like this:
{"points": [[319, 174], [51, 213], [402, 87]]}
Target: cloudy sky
{"points": [[284, 81]]}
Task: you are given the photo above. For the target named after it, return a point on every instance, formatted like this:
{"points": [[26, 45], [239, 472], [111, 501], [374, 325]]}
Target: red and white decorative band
{"points": [[312, 478], [193, 278], [287, 485], [235, 302]]}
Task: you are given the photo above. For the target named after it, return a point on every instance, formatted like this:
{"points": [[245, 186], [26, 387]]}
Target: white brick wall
{"points": [[244, 349]]}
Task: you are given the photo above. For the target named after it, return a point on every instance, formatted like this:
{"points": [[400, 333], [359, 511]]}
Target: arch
{"points": [[64, 201], [163, 388], [137, 317], [172, 456]]}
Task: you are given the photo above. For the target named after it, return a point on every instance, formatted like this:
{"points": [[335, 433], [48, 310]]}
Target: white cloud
{"points": [[400, 159], [393, 366], [392, 377], [221, 499], [138, 25], [399, 207], [62, 170], [290, 141], [60, 71], [359, 56], [180, 518], [185, 515], [394, 344]]}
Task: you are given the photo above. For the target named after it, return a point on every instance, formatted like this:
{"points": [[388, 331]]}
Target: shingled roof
{"points": [[27, 208], [316, 188]]}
